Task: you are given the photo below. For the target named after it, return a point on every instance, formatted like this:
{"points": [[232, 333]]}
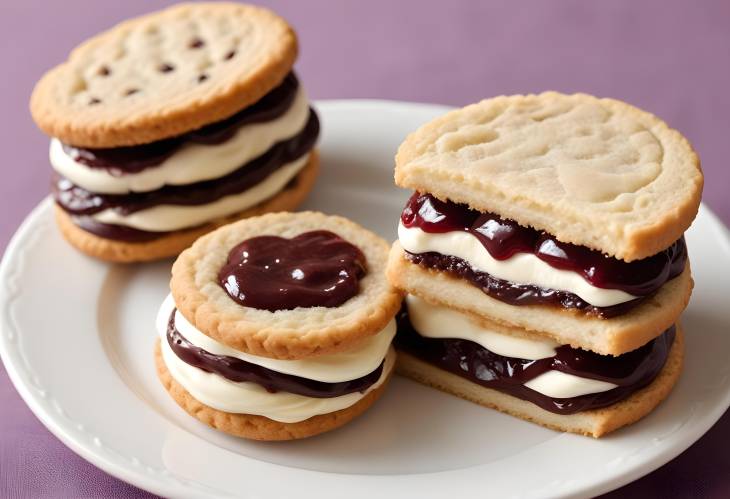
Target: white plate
{"points": [[77, 338]]}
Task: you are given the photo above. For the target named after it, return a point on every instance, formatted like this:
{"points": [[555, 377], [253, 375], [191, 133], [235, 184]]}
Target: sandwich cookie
{"points": [[557, 219], [561, 214], [279, 327], [174, 123]]}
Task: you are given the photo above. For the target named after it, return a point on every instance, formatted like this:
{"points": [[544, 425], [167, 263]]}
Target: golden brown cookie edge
{"points": [[231, 324]]}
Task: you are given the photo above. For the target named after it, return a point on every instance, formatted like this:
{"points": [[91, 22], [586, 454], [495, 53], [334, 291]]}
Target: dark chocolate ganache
{"points": [[131, 234], [78, 201], [134, 159], [505, 238], [313, 269], [630, 371], [238, 370]]}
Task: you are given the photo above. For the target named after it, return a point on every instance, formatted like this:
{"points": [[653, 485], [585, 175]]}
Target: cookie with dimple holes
{"points": [[595, 172], [284, 334], [164, 74]]}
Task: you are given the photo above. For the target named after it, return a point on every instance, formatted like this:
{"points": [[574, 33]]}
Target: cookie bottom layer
{"points": [[171, 244], [612, 336], [594, 423], [259, 427]]}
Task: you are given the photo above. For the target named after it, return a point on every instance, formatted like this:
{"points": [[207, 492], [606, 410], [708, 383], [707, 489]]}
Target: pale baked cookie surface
{"points": [[283, 334], [595, 423], [164, 74], [172, 243], [595, 172]]}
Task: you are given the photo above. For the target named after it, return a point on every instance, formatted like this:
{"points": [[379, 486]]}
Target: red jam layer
{"points": [[504, 238], [313, 269], [238, 370], [630, 371], [134, 159]]}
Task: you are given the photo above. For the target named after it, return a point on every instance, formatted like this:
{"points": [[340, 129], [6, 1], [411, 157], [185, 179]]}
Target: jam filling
{"points": [[134, 159], [313, 269], [78, 201], [516, 294], [630, 371], [504, 238], [237, 370], [131, 234]]}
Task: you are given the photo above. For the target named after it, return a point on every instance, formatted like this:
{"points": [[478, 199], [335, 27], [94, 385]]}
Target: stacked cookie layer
{"points": [[174, 123], [543, 248], [280, 326]]}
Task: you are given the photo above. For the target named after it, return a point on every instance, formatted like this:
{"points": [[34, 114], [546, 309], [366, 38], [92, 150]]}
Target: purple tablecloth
{"points": [[672, 58]]}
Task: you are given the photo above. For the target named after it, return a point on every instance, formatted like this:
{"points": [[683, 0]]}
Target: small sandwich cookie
{"points": [[174, 123], [279, 327], [532, 377], [558, 214]]}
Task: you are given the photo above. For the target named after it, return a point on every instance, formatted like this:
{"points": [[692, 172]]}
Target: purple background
{"points": [[670, 57]]}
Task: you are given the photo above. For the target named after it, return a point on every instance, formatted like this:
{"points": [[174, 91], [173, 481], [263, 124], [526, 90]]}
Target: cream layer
{"points": [[192, 162], [521, 268]]}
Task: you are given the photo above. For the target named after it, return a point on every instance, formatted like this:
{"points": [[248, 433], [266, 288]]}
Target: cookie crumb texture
{"points": [[595, 172], [164, 74], [284, 334]]}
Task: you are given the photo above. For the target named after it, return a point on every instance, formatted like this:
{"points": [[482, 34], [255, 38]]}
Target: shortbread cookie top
{"points": [[594, 172], [283, 334], [164, 74]]}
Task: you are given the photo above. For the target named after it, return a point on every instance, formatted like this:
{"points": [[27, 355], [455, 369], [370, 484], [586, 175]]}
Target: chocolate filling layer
{"points": [[130, 234], [79, 201], [505, 238], [630, 371], [313, 269], [515, 294], [238, 370], [134, 159]]}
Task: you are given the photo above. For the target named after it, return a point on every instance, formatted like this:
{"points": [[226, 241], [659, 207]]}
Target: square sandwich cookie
{"points": [[171, 124], [279, 327], [552, 224]]}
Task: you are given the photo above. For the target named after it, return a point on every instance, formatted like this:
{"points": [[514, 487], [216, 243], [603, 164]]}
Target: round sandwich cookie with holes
{"points": [[556, 219], [172, 124], [279, 327]]}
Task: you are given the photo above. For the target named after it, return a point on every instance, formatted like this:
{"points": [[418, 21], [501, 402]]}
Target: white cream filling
{"points": [[334, 368], [168, 217], [522, 268], [434, 321], [192, 162], [251, 398], [561, 385]]}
